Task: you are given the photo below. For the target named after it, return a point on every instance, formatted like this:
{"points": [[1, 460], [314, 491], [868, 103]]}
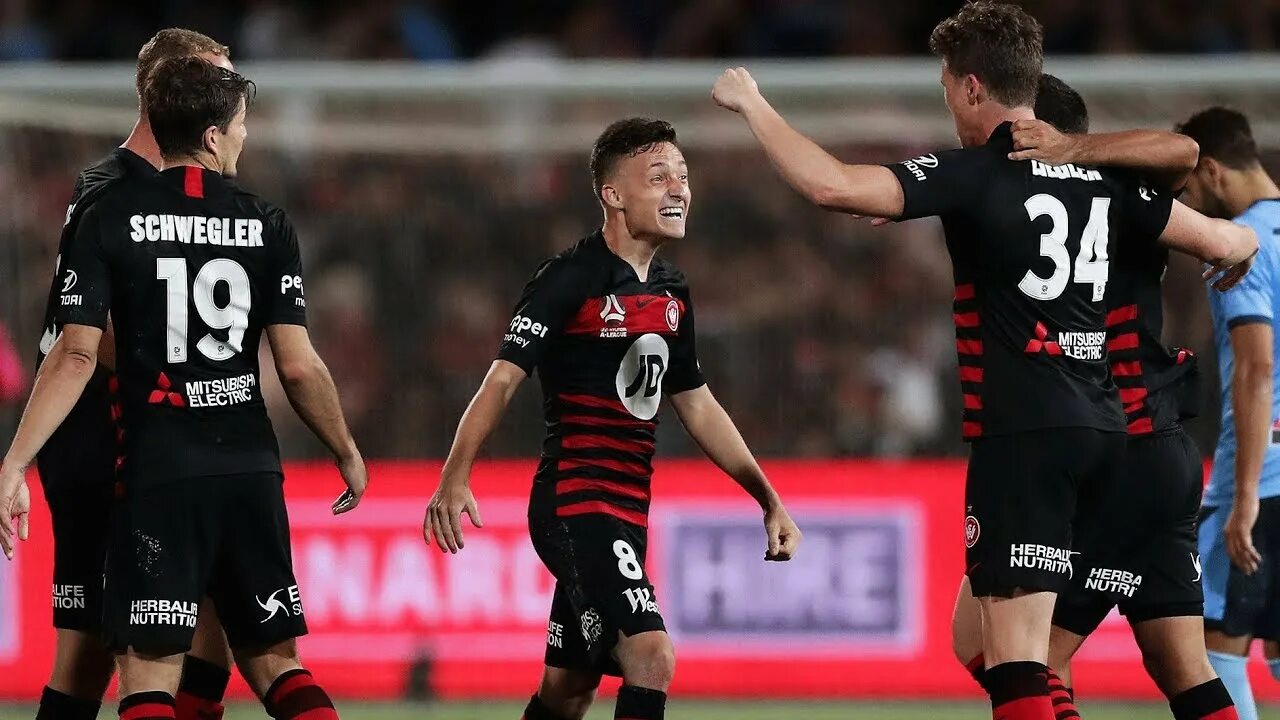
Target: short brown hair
{"points": [[185, 96], [626, 138], [1224, 135], [174, 43], [999, 43]]}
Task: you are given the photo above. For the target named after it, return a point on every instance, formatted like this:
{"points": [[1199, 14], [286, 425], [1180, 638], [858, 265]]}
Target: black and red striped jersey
{"points": [[1158, 384], [1029, 247], [606, 345]]}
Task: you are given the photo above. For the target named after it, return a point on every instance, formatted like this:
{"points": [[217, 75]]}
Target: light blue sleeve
{"points": [[1251, 300]]}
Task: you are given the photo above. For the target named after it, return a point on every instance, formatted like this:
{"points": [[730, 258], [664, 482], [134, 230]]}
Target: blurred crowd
{"points": [[822, 335], [444, 30]]}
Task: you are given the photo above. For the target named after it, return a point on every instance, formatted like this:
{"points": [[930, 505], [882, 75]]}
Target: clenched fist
{"points": [[734, 89]]}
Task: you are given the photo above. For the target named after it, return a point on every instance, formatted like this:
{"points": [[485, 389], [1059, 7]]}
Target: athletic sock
{"points": [[1233, 671], [153, 705], [637, 703], [1207, 701], [56, 705], [1064, 701], [977, 668], [201, 691], [535, 710], [295, 694], [1019, 691]]}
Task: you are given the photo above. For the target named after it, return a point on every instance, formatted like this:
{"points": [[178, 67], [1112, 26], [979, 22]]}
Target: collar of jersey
{"points": [[177, 176], [136, 162]]}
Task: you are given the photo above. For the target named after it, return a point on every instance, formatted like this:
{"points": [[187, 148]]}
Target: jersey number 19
{"points": [[233, 317]]}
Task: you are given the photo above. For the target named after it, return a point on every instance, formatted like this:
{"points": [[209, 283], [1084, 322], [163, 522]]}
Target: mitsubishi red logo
{"points": [[1042, 342], [163, 394]]}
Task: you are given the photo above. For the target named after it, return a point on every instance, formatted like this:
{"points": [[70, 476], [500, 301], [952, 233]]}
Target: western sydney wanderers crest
{"points": [[673, 315], [972, 531]]}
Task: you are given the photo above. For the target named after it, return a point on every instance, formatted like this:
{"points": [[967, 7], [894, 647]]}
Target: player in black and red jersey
{"points": [[78, 464], [610, 328], [1029, 245], [193, 271], [1151, 571]]}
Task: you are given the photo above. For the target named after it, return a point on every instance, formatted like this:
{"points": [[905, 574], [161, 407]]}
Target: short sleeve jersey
{"points": [[1255, 300], [192, 269], [606, 346], [82, 451], [1158, 385], [1029, 247]]}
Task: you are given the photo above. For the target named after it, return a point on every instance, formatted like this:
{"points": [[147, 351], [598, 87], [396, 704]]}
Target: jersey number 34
{"points": [[1091, 263], [232, 317]]}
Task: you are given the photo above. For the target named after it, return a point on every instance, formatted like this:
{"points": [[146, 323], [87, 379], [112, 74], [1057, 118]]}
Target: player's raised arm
{"points": [[1227, 247], [823, 180], [1165, 158], [712, 428]]}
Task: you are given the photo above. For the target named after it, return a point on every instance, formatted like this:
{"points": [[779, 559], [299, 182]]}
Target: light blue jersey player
{"points": [[1239, 534]]}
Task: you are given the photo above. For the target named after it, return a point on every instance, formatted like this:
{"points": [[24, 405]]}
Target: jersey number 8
{"points": [[1091, 263], [233, 317], [628, 563]]}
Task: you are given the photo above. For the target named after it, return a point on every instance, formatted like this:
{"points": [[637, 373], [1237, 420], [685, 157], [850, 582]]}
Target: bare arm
{"points": [[1251, 393], [1165, 158], [453, 496], [62, 378], [823, 180], [311, 392], [310, 388], [712, 428], [1226, 246], [481, 417]]}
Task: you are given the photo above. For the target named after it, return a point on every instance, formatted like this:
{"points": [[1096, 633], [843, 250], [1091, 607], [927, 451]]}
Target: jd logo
{"points": [[639, 379]]}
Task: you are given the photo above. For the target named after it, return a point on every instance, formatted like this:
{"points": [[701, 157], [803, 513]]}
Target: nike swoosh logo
{"points": [[642, 303]]}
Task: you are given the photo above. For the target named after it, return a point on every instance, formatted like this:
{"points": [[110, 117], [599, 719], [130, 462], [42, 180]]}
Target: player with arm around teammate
{"points": [[1028, 243], [194, 270], [1144, 557], [609, 327]]}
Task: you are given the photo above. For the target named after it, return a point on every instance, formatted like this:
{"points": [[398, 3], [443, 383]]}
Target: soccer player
{"points": [[192, 270], [1029, 245], [1240, 522], [1151, 573], [609, 327], [78, 464]]}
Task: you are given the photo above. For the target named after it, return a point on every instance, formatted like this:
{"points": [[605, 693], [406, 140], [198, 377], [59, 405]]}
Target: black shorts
{"points": [[1236, 604], [1138, 550], [602, 588], [81, 529], [226, 537], [1020, 499]]}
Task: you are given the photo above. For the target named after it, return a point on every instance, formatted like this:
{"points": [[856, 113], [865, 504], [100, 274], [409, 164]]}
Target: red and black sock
{"points": [[1064, 701], [296, 696], [153, 705], [535, 710], [637, 703], [1019, 691], [56, 705], [1207, 701], [201, 691], [977, 668]]}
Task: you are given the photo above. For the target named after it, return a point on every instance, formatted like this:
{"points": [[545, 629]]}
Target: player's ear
{"points": [[973, 89], [610, 196], [210, 139]]}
